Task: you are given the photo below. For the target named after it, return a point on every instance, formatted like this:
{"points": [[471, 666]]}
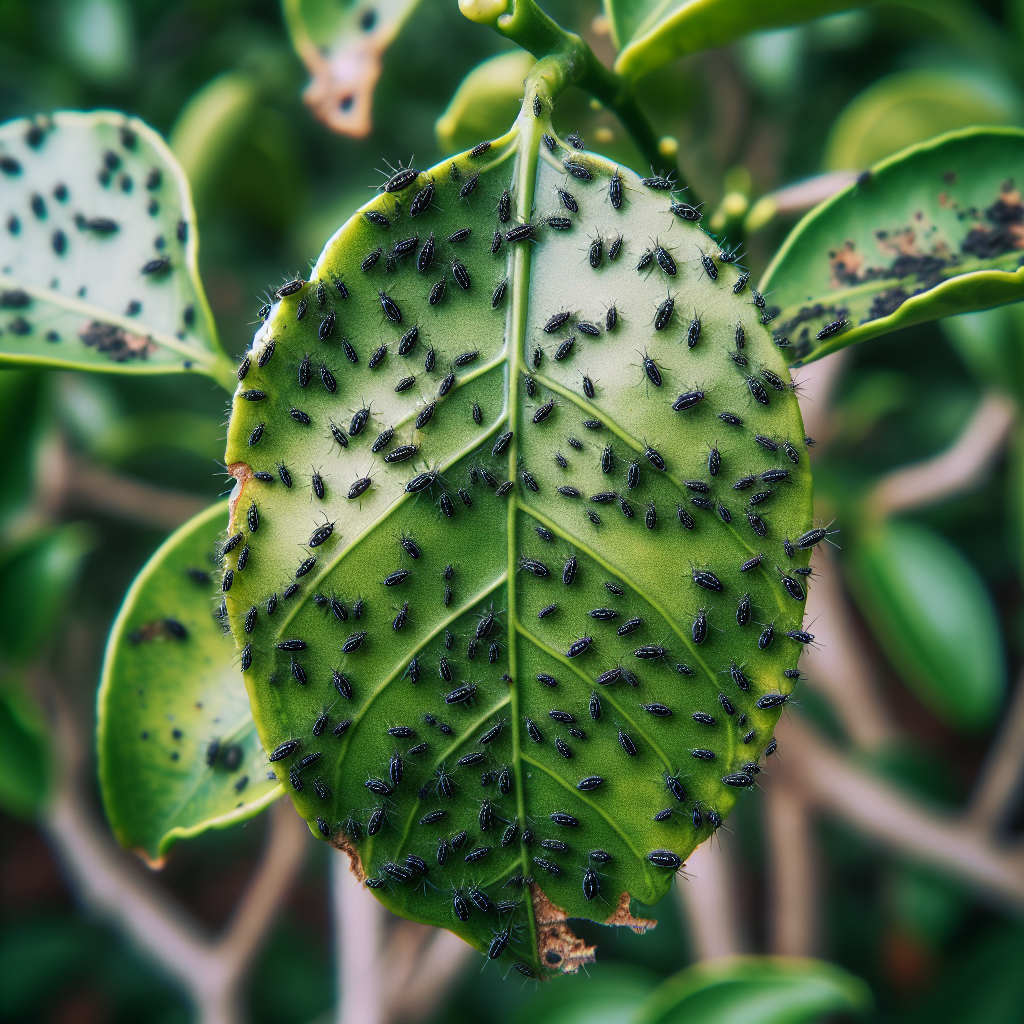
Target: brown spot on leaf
{"points": [[1004, 230], [845, 264], [557, 946], [119, 345], [622, 918], [342, 842], [243, 474]]}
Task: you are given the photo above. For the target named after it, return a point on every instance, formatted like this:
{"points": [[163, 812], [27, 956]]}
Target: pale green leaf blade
{"points": [[98, 250], [374, 407], [928, 233], [650, 33], [178, 752], [756, 990], [343, 46], [934, 618]]}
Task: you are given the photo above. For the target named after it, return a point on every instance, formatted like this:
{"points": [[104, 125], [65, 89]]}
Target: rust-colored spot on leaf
{"points": [[119, 345], [243, 474], [342, 842], [622, 918], [557, 946], [845, 263]]}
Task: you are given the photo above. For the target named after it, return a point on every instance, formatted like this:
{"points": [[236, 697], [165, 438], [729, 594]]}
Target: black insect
{"points": [[685, 211], [709, 266], [665, 261], [615, 248], [658, 182], [829, 330], [559, 223], [615, 190], [579, 646], [577, 170], [627, 744], [764, 641], [706, 579], [499, 294]]}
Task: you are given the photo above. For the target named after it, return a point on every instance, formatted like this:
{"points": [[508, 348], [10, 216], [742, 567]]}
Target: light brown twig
{"points": [[833, 783], [112, 884], [1001, 778], [794, 894], [707, 899], [358, 926], [960, 468]]}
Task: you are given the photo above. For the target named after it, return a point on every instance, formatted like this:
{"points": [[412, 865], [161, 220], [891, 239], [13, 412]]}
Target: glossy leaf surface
{"points": [[756, 990], [98, 250], [650, 33], [935, 620], [482, 541], [930, 232], [178, 752]]}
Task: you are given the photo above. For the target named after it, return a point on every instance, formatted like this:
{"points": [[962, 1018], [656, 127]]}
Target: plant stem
{"points": [[534, 31]]}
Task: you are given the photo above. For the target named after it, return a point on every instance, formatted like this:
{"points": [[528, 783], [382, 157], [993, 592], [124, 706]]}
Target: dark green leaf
{"points": [[24, 752], [991, 343], [930, 232], [755, 990], [98, 250], [609, 993], [178, 752], [36, 577], [935, 620], [650, 33], [479, 363]]}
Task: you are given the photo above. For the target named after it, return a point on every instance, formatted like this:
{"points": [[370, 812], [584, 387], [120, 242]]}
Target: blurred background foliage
{"points": [[940, 591]]}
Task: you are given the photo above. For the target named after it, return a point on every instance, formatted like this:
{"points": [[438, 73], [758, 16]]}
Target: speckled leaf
{"points": [[178, 752], [935, 230], [98, 250], [342, 46], [650, 33], [488, 534], [756, 990]]}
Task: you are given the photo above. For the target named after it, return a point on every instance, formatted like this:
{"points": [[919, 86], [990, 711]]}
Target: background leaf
{"points": [[934, 619], [912, 106], [650, 33], [755, 990], [928, 233], [37, 575], [342, 46], [178, 752], [487, 99], [414, 409], [991, 343], [24, 750], [98, 250]]}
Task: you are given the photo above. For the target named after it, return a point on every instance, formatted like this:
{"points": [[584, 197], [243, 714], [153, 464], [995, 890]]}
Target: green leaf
{"points": [[24, 751], [485, 101], [609, 993], [24, 428], [37, 574], [178, 753], [934, 619], [925, 234], [991, 343], [98, 250], [756, 990], [650, 33], [342, 46], [424, 336], [910, 107]]}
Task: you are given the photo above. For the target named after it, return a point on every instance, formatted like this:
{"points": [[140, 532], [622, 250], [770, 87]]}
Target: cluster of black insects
{"points": [[459, 693], [112, 174]]}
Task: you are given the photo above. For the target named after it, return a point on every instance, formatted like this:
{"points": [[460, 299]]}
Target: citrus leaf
{"points": [[493, 472], [928, 233], [37, 574], [934, 619], [24, 750], [98, 250], [650, 33], [178, 752], [342, 46], [755, 990]]}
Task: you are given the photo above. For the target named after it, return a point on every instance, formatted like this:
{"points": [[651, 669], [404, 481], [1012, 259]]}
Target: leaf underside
{"points": [[512, 596], [178, 751], [928, 233], [98, 249]]}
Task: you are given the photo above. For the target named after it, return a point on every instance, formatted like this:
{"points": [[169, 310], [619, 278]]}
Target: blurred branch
{"points": [[839, 666], [434, 962], [962, 467], [796, 198], [358, 922], [1001, 778], [826, 778], [794, 885], [814, 389], [111, 884], [707, 899]]}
